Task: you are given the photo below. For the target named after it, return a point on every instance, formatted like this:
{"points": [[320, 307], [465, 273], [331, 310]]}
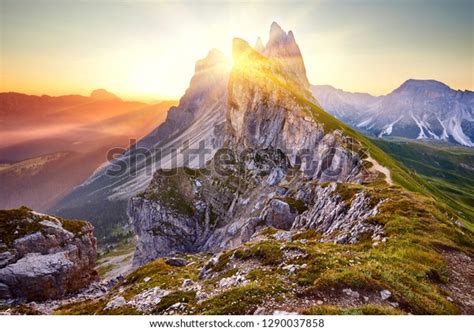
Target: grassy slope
{"points": [[407, 265], [448, 171]]}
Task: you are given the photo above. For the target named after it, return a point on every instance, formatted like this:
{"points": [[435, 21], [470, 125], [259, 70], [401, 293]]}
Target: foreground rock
{"points": [[43, 257]]}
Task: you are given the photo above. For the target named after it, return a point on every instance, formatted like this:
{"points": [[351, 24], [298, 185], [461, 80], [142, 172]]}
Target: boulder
{"points": [[385, 294], [279, 215], [116, 302], [176, 262], [45, 257]]}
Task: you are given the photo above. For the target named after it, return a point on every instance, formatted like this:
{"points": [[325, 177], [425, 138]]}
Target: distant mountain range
{"points": [[51, 144], [418, 109]]}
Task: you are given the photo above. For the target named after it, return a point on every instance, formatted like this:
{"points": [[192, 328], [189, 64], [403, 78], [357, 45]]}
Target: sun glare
{"points": [[148, 51]]}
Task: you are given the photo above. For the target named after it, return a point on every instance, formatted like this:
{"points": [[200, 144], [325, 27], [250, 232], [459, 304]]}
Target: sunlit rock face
{"points": [[276, 152], [267, 110], [205, 98], [282, 45]]}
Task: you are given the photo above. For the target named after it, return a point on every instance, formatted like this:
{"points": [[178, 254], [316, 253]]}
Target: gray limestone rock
{"points": [[47, 257]]}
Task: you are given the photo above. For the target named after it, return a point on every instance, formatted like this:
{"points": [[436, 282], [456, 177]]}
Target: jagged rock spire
{"points": [[283, 46], [277, 35], [259, 46]]}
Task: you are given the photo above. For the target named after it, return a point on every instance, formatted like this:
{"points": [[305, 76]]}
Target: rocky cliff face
{"points": [[266, 111], [205, 97], [209, 210], [44, 257], [277, 153]]}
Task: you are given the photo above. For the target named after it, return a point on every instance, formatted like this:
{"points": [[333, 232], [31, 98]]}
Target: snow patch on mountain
{"points": [[389, 128], [418, 109]]}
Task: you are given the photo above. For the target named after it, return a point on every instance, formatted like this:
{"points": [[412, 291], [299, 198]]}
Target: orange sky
{"points": [[146, 50]]}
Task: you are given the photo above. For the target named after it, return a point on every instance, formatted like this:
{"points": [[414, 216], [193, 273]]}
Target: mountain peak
{"points": [[276, 32], [217, 55], [291, 37], [242, 51], [259, 46], [214, 61], [275, 26], [280, 43], [214, 67], [283, 46], [213, 58], [239, 46], [412, 85], [102, 94]]}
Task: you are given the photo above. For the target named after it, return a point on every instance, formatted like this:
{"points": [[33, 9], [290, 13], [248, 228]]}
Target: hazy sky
{"points": [[147, 49]]}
